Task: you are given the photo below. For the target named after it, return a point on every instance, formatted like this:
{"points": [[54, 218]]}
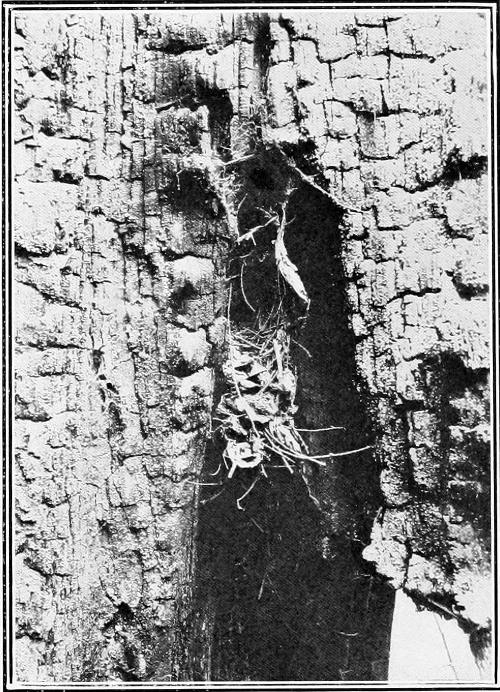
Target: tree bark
{"points": [[126, 128], [397, 108], [120, 276]]}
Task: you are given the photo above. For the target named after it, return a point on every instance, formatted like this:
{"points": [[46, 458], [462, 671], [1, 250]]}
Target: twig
{"points": [[233, 162], [317, 457], [213, 497], [261, 590], [241, 202], [249, 490], [307, 179], [289, 452], [243, 288], [281, 454], [448, 653], [306, 351], [345, 454], [277, 353], [250, 233], [257, 525], [311, 430]]}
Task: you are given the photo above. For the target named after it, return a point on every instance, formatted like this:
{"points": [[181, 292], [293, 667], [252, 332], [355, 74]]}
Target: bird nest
{"points": [[256, 414]]}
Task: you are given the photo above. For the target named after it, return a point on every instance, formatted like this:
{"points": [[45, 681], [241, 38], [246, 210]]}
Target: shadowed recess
{"points": [[282, 592]]}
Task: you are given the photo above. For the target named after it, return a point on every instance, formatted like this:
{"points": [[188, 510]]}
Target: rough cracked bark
{"points": [[122, 125], [397, 109], [120, 240]]}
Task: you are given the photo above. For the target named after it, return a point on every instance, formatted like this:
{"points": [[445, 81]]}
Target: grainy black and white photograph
{"points": [[249, 346]]}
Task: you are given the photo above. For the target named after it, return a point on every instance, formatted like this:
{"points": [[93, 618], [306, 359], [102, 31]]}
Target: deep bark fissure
{"points": [[289, 594]]}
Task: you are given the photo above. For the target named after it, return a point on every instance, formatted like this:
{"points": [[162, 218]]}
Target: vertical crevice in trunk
{"points": [[282, 590], [329, 391]]}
